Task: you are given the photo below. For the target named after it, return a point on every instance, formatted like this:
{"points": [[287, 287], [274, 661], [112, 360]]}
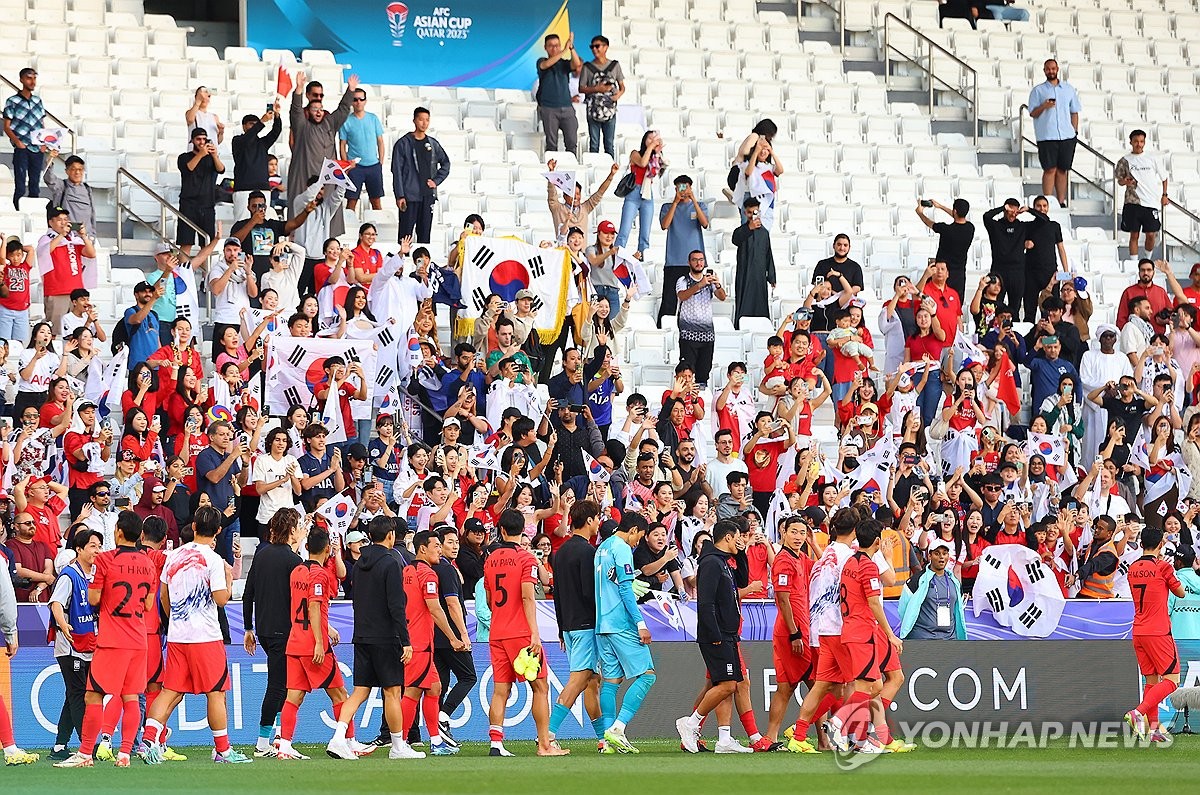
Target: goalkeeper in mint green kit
{"points": [[621, 634]]}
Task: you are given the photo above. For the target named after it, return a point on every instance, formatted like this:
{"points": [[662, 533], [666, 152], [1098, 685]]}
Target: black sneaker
{"points": [[381, 741], [444, 730], [778, 747], [702, 747], [59, 755]]}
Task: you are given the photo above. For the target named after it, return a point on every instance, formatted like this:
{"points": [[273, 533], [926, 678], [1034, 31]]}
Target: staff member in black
{"points": [[718, 618], [381, 644], [445, 658], [268, 593], [575, 610]]}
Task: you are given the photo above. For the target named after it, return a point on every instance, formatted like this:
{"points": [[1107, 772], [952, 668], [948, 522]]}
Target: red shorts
{"points": [[891, 658], [864, 659], [304, 674], [503, 654], [791, 667], [196, 668], [1156, 654], [420, 672], [832, 663], [154, 660], [118, 672]]}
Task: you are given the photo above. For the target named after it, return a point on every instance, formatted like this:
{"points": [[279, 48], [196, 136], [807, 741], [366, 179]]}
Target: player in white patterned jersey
{"points": [[825, 619]]}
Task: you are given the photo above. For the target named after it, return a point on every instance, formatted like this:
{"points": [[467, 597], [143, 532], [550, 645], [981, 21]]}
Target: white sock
{"points": [[755, 737], [262, 744], [497, 743], [723, 735], [697, 717], [435, 739], [59, 747], [339, 733], [398, 743], [618, 726], [9, 750]]}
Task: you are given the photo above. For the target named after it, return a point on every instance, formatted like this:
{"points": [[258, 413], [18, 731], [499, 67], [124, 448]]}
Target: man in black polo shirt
{"points": [[575, 610], [259, 234], [554, 92], [954, 238]]}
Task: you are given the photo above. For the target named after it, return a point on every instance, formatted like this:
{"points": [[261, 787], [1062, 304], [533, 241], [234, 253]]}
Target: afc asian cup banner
{"points": [[454, 43], [507, 265]]}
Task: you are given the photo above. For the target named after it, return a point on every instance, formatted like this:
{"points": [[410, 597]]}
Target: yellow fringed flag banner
{"points": [[505, 266]]}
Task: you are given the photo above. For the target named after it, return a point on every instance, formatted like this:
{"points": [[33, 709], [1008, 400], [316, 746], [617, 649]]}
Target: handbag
{"points": [[626, 185], [939, 430]]}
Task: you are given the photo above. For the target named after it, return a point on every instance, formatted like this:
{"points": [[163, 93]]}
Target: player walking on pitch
{"points": [[508, 577], [1151, 579], [622, 637]]}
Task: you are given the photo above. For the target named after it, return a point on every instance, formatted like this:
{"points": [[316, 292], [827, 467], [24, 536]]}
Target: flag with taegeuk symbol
{"points": [[51, 137], [507, 266], [563, 180], [596, 472], [339, 511], [335, 172]]}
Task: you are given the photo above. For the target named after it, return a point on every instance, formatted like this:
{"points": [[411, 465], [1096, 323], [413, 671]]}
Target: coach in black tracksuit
{"points": [[448, 661], [1007, 236], [268, 593]]}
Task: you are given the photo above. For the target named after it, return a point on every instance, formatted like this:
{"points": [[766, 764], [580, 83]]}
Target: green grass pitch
{"points": [[660, 768]]}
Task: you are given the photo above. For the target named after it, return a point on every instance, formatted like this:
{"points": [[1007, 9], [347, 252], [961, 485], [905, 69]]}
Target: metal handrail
{"points": [[56, 119], [1107, 161], [163, 206], [927, 67]]}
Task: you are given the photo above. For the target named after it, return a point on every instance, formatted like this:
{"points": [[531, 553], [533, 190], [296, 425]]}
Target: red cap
{"points": [[1195, 268], [606, 226]]}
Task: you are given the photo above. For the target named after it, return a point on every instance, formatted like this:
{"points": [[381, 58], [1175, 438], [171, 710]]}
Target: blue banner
{"points": [[415, 42]]}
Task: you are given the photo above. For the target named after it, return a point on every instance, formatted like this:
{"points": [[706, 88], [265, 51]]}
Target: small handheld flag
{"points": [[283, 82], [596, 472], [333, 172], [563, 180], [50, 137]]}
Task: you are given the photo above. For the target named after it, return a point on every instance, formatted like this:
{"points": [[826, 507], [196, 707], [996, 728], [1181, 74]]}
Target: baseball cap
{"points": [[1050, 339], [473, 525], [356, 537], [939, 543], [358, 451], [198, 131], [523, 294], [233, 241], [163, 248], [159, 487], [85, 404], [142, 287], [455, 421], [606, 226], [127, 455], [511, 411], [871, 407]]}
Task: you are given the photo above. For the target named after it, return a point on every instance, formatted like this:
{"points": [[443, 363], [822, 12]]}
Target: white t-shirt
{"points": [[43, 371], [228, 306], [902, 403], [718, 472], [1149, 174], [825, 607], [69, 323], [268, 470], [192, 574]]}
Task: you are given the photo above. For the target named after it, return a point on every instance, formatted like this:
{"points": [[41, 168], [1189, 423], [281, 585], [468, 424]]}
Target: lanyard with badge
{"points": [[942, 604]]}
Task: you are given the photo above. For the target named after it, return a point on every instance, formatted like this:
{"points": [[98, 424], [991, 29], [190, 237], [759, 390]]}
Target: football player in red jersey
{"points": [[123, 589], [311, 663], [1151, 579], [794, 658], [424, 610], [509, 575], [861, 596]]}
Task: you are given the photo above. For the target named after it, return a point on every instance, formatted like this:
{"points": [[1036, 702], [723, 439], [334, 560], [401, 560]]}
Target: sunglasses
{"points": [[991, 488], [318, 96], [102, 494], [597, 46], [258, 206]]}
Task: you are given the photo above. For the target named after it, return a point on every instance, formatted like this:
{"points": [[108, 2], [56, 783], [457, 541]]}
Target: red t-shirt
{"points": [[860, 582], [789, 575], [1005, 538], [143, 450], [949, 307], [149, 403], [421, 583], [189, 446], [125, 576], [67, 273], [762, 463], [73, 443], [689, 405], [166, 372], [46, 518], [1151, 581], [17, 277], [368, 260], [504, 572], [918, 346], [153, 620], [345, 392], [309, 582], [50, 413]]}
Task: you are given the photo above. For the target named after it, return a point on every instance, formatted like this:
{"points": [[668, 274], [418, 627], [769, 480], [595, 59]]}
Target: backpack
{"points": [[600, 107]]}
